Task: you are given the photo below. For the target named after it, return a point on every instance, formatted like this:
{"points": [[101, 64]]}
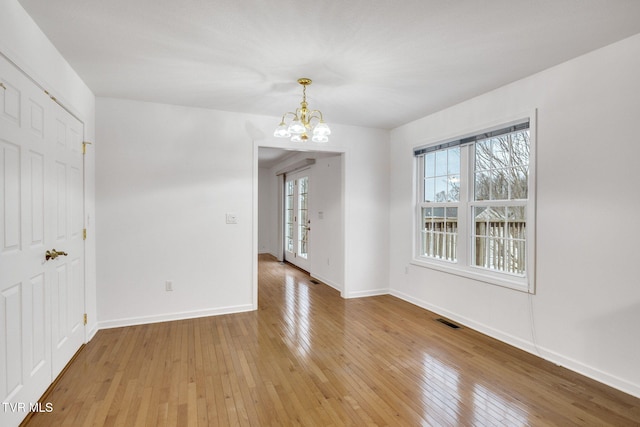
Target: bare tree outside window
{"points": [[501, 173]]}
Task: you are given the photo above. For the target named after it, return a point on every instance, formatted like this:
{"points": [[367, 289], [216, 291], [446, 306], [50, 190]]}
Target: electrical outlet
{"points": [[168, 286]]}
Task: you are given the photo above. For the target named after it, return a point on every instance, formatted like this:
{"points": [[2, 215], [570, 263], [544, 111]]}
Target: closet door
{"points": [[65, 186], [41, 209]]}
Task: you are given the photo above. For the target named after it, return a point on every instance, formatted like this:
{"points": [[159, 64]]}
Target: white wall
{"points": [[166, 179], [267, 212], [327, 222], [167, 176], [586, 311], [22, 41]]}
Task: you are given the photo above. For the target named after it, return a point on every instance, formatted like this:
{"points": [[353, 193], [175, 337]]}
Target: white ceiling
{"points": [[376, 63]]}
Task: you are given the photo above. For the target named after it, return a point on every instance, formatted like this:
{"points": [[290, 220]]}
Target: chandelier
{"points": [[300, 127]]}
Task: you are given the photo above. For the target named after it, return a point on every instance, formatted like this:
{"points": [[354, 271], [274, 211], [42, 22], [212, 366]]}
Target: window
{"points": [[475, 206]]}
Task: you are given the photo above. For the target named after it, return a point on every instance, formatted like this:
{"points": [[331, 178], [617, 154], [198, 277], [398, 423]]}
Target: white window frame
{"points": [[463, 265]]}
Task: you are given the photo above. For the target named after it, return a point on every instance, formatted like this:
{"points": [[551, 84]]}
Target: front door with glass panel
{"points": [[297, 224]]}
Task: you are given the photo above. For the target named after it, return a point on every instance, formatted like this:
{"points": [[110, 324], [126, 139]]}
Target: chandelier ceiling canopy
{"points": [[303, 122]]}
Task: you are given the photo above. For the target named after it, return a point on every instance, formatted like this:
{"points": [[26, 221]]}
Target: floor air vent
{"points": [[315, 282], [448, 323]]}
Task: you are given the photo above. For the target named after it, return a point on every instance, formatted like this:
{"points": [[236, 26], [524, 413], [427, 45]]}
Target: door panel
{"points": [[41, 208], [296, 217], [67, 329], [11, 186], [25, 345]]}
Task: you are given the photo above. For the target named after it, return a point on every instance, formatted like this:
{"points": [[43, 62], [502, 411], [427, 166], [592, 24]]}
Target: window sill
{"points": [[503, 280]]}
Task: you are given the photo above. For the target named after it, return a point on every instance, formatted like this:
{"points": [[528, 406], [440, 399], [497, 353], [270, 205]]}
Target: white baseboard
{"points": [[369, 293], [91, 332], [131, 321], [330, 283], [528, 346]]}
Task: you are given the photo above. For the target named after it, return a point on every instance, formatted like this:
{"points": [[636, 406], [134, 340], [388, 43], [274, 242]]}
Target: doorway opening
{"points": [[299, 211]]}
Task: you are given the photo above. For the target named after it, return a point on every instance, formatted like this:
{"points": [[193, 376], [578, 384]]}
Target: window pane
{"points": [[507, 159], [442, 175], [517, 213], [500, 238], [500, 157], [454, 188], [453, 162], [520, 148], [481, 252], [429, 190], [430, 164], [427, 212], [439, 234], [500, 184], [441, 189], [483, 155], [482, 185], [519, 186], [441, 162]]}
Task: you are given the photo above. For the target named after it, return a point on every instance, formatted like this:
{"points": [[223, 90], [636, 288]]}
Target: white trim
{"points": [[528, 346], [327, 282], [92, 332], [364, 294], [143, 320], [476, 273]]}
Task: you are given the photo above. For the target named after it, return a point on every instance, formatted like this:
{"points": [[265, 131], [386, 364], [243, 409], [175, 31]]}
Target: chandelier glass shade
{"points": [[304, 122]]}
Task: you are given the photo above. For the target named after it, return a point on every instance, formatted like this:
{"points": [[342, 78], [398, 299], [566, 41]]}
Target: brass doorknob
{"points": [[53, 254]]}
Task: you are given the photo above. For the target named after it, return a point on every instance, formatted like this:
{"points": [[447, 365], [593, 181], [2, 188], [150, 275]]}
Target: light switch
{"points": [[232, 218]]}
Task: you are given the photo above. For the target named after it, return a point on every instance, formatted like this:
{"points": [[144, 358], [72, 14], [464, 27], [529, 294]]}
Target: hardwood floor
{"points": [[308, 357]]}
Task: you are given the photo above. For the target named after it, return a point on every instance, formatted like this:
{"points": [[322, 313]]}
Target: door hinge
{"points": [[53, 98], [84, 146], [84, 234], [85, 318]]}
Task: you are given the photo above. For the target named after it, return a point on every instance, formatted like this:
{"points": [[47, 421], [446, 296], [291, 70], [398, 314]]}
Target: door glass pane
{"points": [[289, 216], [303, 216]]}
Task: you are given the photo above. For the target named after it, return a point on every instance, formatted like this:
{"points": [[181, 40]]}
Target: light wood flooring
{"points": [[308, 357]]}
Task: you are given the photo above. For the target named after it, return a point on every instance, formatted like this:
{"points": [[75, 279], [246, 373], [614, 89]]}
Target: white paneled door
{"points": [[41, 242], [297, 223]]}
